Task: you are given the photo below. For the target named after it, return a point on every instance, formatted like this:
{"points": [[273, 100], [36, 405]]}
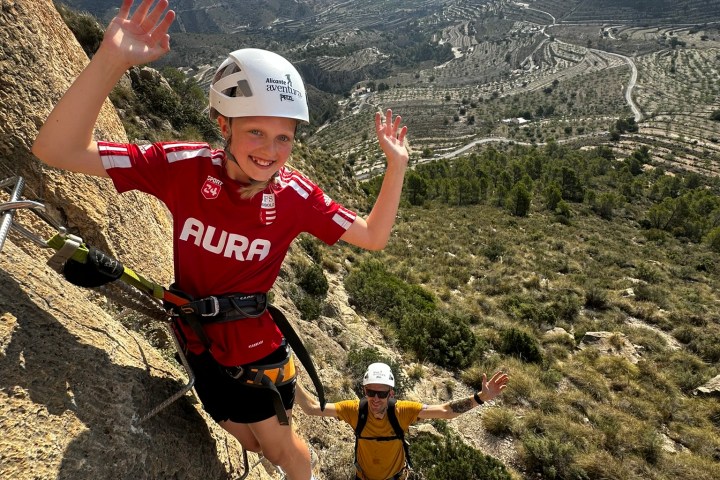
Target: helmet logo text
{"points": [[284, 87]]}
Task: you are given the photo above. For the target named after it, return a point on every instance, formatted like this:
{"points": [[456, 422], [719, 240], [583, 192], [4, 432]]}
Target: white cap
{"points": [[379, 373], [258, 83]]}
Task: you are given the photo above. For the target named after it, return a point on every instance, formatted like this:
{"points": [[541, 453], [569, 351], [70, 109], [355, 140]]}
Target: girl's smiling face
{"points": [[260, 145]]}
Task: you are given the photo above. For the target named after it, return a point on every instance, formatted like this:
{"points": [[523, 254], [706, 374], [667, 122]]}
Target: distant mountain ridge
{"points": [[208, 16], [636, 12]]}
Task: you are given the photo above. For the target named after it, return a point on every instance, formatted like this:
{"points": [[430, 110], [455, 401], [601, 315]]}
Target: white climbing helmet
{"points": [[253, 82], [379, 373]]}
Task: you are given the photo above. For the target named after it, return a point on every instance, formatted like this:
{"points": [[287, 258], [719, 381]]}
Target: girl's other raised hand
{"points": [[392, 138]]}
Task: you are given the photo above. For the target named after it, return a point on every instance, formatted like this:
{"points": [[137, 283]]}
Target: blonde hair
{"points": [[254, 188]]}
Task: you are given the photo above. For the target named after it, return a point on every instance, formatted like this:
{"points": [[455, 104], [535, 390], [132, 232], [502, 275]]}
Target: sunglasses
{"points": [[376, 393]]}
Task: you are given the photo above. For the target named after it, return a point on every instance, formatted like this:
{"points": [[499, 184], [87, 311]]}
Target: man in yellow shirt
{"points": [[380, 452]]}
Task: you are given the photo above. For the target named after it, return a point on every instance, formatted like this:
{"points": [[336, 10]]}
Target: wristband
{"points": [[477, 398]]}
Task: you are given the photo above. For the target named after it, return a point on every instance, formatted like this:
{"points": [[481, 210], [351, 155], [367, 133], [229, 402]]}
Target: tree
{"points": [[713, 239], [570, 185], [606, 204], [668, 214], [416, 189], [552, 195], [623, 125], [518, 201]]}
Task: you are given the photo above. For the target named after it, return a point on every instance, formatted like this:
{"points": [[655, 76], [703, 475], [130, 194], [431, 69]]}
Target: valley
{"points": [[480, 71]]}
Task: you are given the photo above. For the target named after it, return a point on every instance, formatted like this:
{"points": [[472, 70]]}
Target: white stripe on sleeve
{"points": [[298, 188], [114, 156], [342, 221], [185, 154]]}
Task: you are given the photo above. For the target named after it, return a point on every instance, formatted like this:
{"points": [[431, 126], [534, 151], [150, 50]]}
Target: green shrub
{"points": [[705, 347], [84, 26], [649, 293], [310, 307], [567, 307], [311, 247], [550, 457], [601, 465], [712, 239], [521, 344], [313, 281], [590, 382], [648, 273], [446, 342], [596, 298], [494, 250], [650, 446], [375, 290], [499, 421], [453, 459]]}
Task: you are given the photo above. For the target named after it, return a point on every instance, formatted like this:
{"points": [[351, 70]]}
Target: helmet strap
{"points": [[232, 158]]}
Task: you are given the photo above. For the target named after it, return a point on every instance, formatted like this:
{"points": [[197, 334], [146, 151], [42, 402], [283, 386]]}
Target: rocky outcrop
{"points": [[710, 389], [610, 343]]}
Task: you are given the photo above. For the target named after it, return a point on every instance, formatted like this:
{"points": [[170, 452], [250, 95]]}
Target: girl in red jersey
{"points": [[235, 211]]}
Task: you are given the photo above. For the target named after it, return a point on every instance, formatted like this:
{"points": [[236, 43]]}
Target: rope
{"points": [[127, 296]]}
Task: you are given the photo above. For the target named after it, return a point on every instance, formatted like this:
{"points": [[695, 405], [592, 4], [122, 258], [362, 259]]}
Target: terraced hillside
{"points": [[516, 80], [636, 12], [465, 71], [678, 91]]}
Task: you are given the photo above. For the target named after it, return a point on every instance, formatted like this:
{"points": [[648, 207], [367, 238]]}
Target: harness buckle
{"points": [[238, 372], [215, 307]]}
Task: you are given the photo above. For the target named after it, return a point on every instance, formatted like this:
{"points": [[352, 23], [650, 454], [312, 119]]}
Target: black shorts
{"points": [[224, 398]]}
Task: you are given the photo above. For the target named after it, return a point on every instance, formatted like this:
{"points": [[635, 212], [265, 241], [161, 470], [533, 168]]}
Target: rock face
{"points": [[72, 378], [610, 343], [711, 388]]}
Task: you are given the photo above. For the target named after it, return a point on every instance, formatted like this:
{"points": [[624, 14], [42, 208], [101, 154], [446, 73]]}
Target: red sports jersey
{"points": [[223, 243]]}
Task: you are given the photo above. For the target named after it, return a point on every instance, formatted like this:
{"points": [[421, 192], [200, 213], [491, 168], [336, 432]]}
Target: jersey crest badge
{"points": [[211, 188], [267, 209]]}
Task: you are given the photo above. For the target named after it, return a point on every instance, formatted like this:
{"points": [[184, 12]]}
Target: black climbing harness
{"points": [[236, 307]]}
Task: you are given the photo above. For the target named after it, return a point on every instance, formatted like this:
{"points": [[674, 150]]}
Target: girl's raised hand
{"points": [[142, 37], [392, 138]]}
